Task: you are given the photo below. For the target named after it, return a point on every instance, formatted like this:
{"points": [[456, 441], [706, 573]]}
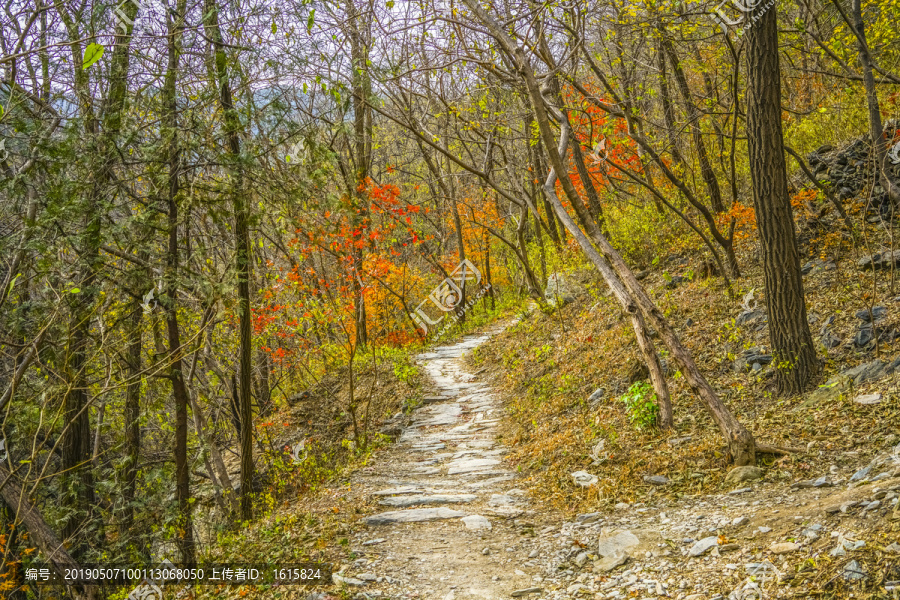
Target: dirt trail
{"points": [[454, 526], [453, 519]]}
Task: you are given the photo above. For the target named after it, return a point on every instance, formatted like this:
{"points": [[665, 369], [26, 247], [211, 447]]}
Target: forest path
{"points": [[452, 526]]}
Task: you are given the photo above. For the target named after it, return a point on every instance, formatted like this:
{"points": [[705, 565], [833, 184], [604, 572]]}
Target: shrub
{"points": [[640, 402]]}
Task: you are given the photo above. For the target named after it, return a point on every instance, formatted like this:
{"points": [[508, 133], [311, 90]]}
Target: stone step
{"points": [[414, 515], [404, 501]]}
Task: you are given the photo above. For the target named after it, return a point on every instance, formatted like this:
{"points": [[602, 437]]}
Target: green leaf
{"points": [[92, 54], [274, 27], [75, 291], [310, 20], [12, 283], [390, 3]]}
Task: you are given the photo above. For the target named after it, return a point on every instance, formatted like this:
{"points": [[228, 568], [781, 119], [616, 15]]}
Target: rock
{"points": [[597, 396], [740, 521], [764, 529], [415, 515], [622, 506], [674, 281], [608, 563], [477, 523], [703, 545], [853, 571], [689, 322], [728, 547], [470, 465], [367, 577], [868, 399], [872, 505], [864, 336], [878, 312], [589, 517], [742, 490], [486, 552], [829, 340], [399, 490], [526, 591], [580, 559], [558, 290], [742, 474], [656, 479], [403, 501], [866, 372], [338, 579], [623, 541], [784, 547], [375, 541], [893, 548], [534, 553], [824, 148], [584, 479], [813, 483], [861, 474], [750, 316], [879, 260]]}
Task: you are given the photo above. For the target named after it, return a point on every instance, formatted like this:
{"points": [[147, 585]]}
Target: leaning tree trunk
{"points": [[740, 441], [795, 361], [40, 533]]}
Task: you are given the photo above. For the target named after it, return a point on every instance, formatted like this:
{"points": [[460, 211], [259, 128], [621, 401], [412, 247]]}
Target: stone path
{"points": [[452, 519]]}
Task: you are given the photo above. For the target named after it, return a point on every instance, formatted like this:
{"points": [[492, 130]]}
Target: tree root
{"points": [[779, 450]]}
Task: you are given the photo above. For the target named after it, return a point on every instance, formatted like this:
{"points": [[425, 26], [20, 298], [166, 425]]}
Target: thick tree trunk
{"points": [[76, 441], [794, 352]]}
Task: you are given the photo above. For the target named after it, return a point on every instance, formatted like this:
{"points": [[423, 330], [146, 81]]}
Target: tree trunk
{"points": [[39, 532], [794, 353], [132, 415], [185, 530], [706, 170], [362, 157], [876, 127], [242, 251]]}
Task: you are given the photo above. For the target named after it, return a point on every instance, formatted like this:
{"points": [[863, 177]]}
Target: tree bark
{"points": [[132, 415], [242, 251], [795, 361], [185, 530]]}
